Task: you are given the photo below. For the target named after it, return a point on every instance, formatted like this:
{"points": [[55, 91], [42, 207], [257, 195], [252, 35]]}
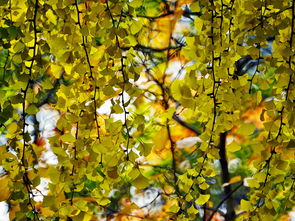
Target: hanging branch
{"points": [[84, 40], [172, 143], [125, 80], [74, 159], [172, 149], [26, 180], [281, 112], [267, 166], [95, 113], [215, 85], [289, 62], [230, 212]]}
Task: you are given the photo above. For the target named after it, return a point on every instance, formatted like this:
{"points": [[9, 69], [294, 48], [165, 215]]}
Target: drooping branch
{"points": [[74, 159], [289, 62], [172, 149], [26, 180], [125, 80], [83, 40]]}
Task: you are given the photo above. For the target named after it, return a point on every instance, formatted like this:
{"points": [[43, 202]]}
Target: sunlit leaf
{"points": [[202, 199]]}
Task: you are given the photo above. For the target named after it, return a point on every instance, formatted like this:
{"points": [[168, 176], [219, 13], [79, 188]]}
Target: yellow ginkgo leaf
{"points": [[5, 192], [233, 147], [234, 179], [246, 129], [192, 210], [140, 182], [202, 199], [67, 138], [251, 182], [245, 205]]}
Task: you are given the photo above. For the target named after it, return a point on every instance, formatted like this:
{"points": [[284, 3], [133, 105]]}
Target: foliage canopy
{"points": [[190, 101]]}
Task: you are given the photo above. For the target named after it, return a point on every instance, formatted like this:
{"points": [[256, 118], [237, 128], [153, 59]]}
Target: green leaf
{"points": [[32, 109], [117, 109], [18, 47]]}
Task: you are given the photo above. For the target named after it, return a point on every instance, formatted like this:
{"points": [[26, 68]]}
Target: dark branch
{"points": [[186, 125], [149, 49], [225, 199]]}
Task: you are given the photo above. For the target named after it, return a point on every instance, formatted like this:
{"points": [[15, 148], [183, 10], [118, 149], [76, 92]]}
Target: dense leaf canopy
{"points": [[148, 109]]}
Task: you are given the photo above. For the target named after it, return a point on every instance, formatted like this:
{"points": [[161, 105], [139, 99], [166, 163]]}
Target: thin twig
{"points": [[224, 199]]}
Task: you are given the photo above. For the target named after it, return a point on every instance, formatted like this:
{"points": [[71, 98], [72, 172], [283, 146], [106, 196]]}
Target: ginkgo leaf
{"points": [[5, 191], [118, 109], [204, 186], [174, 208], [198, 23], [12, 128], [251, 182], [233, 146], [202, 199], [115, 74], [99, 148], [245, 205], [140, 182], [161, 139], [19, 46], [195, 7], [135, 27], [246, 129], [103, 202], [59, 151], [32, 109], [135, 3], [232, 180], [51, 16], [67, 138], [192, 210], [260, 177], [81, 205]]}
